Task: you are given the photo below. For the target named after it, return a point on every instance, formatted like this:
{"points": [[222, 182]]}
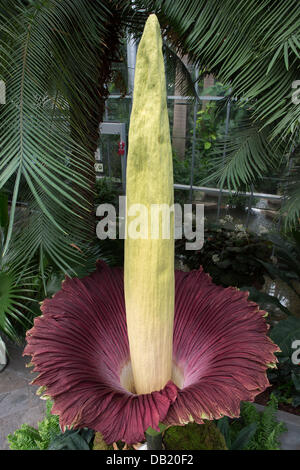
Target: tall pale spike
{"points": [[149, 263]]}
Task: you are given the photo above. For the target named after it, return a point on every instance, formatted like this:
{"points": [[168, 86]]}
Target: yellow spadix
{"points": [[149, 255]]}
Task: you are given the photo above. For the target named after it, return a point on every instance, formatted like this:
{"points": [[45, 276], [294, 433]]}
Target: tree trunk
{"points": [[87, 133], [179, 120]]}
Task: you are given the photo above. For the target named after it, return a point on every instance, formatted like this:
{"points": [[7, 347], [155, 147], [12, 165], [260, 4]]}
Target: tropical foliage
{"points": [[254, 48], [233, 256], [48, 436], [286, 378], [254, 430], [16, 283], [49, 131], [30, 438], [56, 65]]}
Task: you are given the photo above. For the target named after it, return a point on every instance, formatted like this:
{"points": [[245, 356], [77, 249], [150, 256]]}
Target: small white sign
{"points": [[98, 154], [296, 354], [3, 358], [2, 92], [99, 167], [296, 94]]}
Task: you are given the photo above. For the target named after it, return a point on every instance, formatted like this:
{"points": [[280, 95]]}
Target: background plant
{"points": [[286, 378], [48, 436], [254, 430], [230, 256], [259, 58], [286, 261], [30, 438]]}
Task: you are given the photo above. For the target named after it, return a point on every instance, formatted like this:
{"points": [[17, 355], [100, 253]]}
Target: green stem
{"points": [[153, 439]]}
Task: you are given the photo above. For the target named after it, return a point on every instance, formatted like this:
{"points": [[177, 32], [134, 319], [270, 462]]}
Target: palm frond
{"points": [[15, 295], [53, 65], [182, 78], [291, 206], [36, 147], [252, 45], [16, 285], [245, 155]]}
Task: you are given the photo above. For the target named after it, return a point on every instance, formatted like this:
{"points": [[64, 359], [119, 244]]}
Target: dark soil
{"points": [[264, 397]]}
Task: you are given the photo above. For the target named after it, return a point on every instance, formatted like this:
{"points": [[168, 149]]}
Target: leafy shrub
{"points": [[30, 438], [194, 436], [235, 200], [254, 430], [107, 192], [48, 436], [181, 170], [286, 377], [80, 439], [229, 256], [287, 256]]}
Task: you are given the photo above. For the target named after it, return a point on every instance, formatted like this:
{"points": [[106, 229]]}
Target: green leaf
{"points": [[3, 211], [296, 400], [296, 380], [153, 432], [244, 437], [263, 299], [45, 154], [72, 440], [274, 59], [15, 293], [224, 427], [53, 284], [284, 333]]}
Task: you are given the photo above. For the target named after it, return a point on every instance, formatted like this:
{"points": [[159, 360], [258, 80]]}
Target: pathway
{"points": [[18, 400]]}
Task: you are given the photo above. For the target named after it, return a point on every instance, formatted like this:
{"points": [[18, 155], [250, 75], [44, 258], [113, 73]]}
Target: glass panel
{"points": [[111, 160], [118, 110]]}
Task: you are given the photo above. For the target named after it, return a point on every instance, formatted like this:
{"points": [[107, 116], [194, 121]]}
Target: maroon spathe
{"points": [[80, 345]]}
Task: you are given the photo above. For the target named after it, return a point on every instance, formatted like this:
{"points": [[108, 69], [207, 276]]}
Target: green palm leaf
{"points": [[249, 155], [36, 147], [253, 46], [15, 294]]}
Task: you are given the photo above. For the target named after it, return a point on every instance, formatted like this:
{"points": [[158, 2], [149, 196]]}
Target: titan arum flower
{"points": [[120, 352]]}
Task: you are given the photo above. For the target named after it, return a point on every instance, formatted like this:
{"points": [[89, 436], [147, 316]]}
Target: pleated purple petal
{"points": [[221, 347], [79, 347]]}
